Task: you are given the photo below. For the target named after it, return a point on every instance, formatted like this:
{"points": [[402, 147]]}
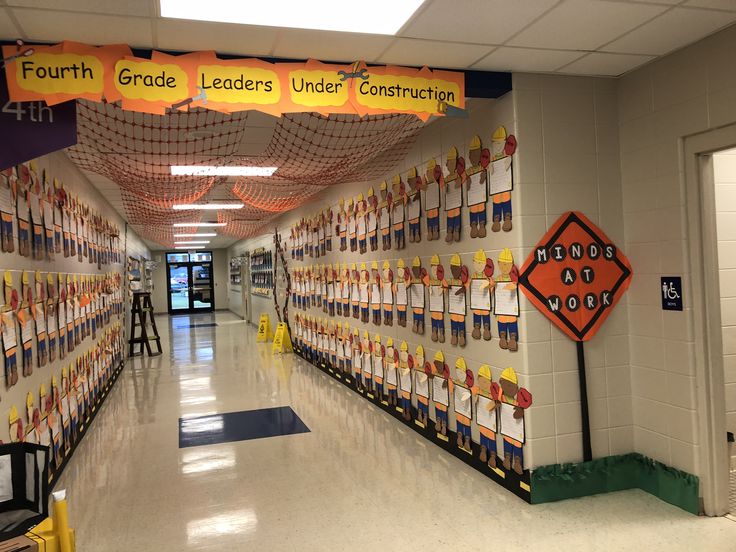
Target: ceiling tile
{"points": [[415, 52], [479, 21], [674, 29], [83, 27], [611, 65], [330, 46], [143, 8], [584, 24], [7, 27], [225, 38], [729, 5], [525, 59]]}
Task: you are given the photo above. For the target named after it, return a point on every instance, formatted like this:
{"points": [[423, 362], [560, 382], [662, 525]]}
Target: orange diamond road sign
{"points": [[575, 276]]}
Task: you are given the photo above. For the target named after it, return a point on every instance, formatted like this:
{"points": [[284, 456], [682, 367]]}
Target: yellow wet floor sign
{"points": [[265, 333], [281, 342]]}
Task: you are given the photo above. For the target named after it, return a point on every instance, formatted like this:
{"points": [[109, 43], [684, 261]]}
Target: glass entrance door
{"points": [[201, 288], [190, 284], [179, 288]]}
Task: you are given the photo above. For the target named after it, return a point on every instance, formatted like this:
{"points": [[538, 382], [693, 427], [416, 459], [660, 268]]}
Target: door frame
{"points": [[702, 254], [189, 265]]}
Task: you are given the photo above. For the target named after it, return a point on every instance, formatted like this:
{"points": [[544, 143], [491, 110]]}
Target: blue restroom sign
{"points": [[671, 290]]}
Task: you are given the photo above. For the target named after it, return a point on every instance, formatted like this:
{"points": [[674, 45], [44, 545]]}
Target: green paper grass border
{"points": [[616, 473]]}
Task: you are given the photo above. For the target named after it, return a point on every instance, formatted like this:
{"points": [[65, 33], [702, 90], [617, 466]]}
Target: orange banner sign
{"points": [[71, 70]]}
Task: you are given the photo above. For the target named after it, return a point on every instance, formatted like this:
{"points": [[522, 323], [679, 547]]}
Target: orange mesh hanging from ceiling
{"points": [[141, 212], [136, 150], [240, 225], [270, 197], [315, 150]]}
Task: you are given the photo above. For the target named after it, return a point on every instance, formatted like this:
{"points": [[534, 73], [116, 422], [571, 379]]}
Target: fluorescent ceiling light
{"points": [[202, 235], [188, 247], [191, 242], [208, 206], [385, 17], [211, 170], [185, 224]]}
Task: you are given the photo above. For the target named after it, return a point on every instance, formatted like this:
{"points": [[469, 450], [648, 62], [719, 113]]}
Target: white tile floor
{"points": [[358, 481]]}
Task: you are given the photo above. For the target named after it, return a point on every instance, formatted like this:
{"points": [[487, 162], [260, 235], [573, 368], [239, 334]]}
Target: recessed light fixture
{"points": [[211, 170], [384, 17], [187, 247], [185, 224], [207, 206], [202, 235], [193, 242]]}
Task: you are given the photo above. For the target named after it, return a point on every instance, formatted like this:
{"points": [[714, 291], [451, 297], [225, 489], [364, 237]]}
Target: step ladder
{"points": [[142, 307]]}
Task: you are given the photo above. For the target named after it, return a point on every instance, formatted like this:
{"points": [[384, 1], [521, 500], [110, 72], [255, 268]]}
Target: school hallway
{"points": [[356, 480]]}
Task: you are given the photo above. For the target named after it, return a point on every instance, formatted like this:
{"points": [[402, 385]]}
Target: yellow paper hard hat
{"points": [[341, 202], [390, 342], [460, 364], [351, 202], [435, 260], [475, 142], [455, 260], [356, 332], [411, 173], [386, 265], [420, 351], [365, 334], [439, 356], [416, 262], [506, 256], [400, 263], [353, 266], [509, 374], [344, 267], [377, 338], [452, 154], [374, 265], [347, 327], [404, 346], [384, 186], [362, 266], [371, 193], [360, 197], [480, 256], [431, 164], [484, 371], [339, 326], [499, 134]]}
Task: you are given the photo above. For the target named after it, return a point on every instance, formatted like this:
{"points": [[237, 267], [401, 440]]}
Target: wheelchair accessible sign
{"points": [[671, 293]]}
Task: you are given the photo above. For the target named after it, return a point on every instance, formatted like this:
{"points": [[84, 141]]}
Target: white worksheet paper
{"points": [[501, 179], [453, 195], [510, 426], [480, 299], [463, 402], [417, 296], [477, 191], [421, 384], [401, 297], [456, 302], [440, 394], [432, 196], [505, 301], [484, 417], [436, 299]]}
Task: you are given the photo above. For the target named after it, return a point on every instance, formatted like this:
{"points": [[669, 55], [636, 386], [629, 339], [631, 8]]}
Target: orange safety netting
{"points": [[311, 151], [136, 150]]}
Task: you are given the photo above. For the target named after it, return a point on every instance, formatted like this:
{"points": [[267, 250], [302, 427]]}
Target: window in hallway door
{"points": [[190, 282]]}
